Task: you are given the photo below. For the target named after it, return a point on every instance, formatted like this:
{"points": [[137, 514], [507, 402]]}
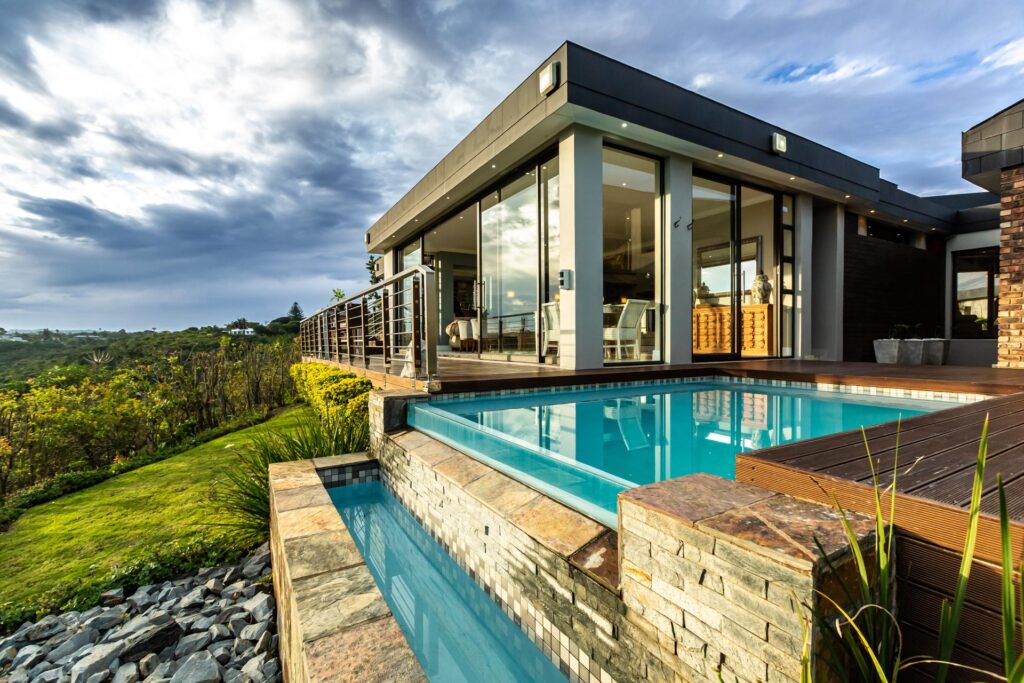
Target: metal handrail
{"points": [[401, 311]]}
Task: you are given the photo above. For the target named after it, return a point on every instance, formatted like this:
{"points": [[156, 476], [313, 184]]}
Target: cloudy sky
{"points": [[166, 163]]}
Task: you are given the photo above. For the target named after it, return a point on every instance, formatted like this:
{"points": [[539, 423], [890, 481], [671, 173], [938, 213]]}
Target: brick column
{"points": [[1011, 268]]}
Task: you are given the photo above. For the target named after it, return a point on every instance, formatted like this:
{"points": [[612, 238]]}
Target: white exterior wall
{"points": [[678, 262], [580, 216]]}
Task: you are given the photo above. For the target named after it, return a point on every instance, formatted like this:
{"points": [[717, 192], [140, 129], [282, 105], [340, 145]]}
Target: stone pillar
{"points": [[716, 575], [1011, 268], [802, 253], [678, 264], [387, 413], [580, 251]]}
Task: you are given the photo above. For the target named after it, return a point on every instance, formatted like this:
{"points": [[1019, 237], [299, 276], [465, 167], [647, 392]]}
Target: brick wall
{"points": [[1011, 269]]}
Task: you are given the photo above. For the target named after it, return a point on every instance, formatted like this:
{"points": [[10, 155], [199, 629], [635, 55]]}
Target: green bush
{"points": [[150, 564], [329, 390]]}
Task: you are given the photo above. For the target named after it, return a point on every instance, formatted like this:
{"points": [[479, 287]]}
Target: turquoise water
{"points": [[457, 632], [583, 447]]}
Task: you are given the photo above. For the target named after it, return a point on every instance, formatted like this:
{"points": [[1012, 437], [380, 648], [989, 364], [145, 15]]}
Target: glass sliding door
{"points": [[509, 268], [714, 272], [742, 275], [550, 242], [631, 306]]}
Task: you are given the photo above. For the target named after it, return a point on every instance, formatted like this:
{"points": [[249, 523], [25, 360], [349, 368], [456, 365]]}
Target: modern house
{"points": [[603, 216]]}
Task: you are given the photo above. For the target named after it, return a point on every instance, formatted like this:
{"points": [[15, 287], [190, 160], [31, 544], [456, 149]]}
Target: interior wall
{"points": [[887, 284]]}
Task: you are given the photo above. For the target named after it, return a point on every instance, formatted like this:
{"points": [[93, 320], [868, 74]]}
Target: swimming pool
{"points": [[457, 632], [584, 446]]}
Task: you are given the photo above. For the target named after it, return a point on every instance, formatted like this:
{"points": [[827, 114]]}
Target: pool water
{"points": [[583, 447], [457, 632]]}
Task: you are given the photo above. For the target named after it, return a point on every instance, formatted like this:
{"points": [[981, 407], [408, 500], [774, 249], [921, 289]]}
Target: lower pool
{"points": [[584, 446], [457, 632]]}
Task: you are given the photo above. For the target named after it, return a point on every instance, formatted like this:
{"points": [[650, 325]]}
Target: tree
{"points": [[295, 312], [371, 265], [337, 294]]}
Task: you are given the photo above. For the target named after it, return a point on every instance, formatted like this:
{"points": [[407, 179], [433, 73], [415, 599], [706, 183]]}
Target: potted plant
{"points": [[904, 346]]}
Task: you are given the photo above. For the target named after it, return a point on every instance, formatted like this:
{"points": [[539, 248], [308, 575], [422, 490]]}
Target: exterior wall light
{"points": [[366, 238], [547, 79], [779, 143]]}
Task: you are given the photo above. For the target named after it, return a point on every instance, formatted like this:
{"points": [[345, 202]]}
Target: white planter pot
{"points": [[936, 351], [888, 350]]}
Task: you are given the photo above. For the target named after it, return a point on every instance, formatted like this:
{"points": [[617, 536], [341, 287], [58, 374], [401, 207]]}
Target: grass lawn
{"points": [[87, 532]]}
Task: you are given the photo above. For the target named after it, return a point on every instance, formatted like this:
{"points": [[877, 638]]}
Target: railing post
{"points": [[364, 327], [416, 322], [348, 333], [430, 318], [385, 337]]}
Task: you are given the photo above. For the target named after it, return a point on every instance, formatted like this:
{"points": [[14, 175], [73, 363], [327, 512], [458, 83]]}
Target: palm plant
{"points": [[1013, 662]]}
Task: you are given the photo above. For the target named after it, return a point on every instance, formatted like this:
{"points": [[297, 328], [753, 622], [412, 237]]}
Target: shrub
{"points": [[328, 390], [244, 493]]}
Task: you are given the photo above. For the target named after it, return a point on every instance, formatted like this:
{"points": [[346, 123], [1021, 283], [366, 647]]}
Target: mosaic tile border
{"points": [[345, 475], [563, 652], [860, 390]]}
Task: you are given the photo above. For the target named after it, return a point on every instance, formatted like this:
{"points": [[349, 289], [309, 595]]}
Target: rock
{"points": [[50, 676], [233, 574], [152, 638], [234, 676], [148, 664], [191, 643], [254, 631], [98, 660], [203, 623], [46, 627], [7, 655], [261, 606], [263, 644], [254, 667], [127, 673], [35, 671], [219, 632], [192, 599], [105, 621], [163, 671], [222, 653], [200, 667], [271, 668], [19, 676], [238, 623], [112, 597], [28, 656], [86, 636], [214, 586]]}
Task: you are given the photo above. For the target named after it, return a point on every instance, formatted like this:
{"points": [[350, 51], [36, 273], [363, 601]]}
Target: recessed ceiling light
{"points": [[872, 211], [461, 217], [624, 124], [846, 196], [494, 166], [417, 220], [720, 155], [904, 220], [623, 184], [934, 229], [792, 177], [448, 197]]}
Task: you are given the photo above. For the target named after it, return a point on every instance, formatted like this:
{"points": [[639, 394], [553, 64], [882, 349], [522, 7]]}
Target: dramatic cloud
{"points": [[165, 163]]}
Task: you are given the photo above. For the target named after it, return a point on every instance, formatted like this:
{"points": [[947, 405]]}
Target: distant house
{"points": [[242, 332]]}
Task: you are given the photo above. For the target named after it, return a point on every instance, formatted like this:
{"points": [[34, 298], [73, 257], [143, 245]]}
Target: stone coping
{"points": [[588, 545], [334, 622]]}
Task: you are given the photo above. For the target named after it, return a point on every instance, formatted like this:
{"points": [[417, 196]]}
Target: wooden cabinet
{"points": [[712, 330]]}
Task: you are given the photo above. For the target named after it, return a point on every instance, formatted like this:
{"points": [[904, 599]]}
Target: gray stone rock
{"points": [[233, 574], [221, 652], [46, 627], [164, 670], [19, 676], [191, 643], [49, 676], [219, 631], [200, 667], [86, 636], [263, 644], [28, 656], [214, 586], [35, 671], [152, 638], [148, 664], [7, 655], [234, 676], [127, 673], [193, 599], [261, 606], [254, 631], [254, 667], [105, 620], [271, 668], [238, 623], [98, 660], [114, 596], [203, 623]]}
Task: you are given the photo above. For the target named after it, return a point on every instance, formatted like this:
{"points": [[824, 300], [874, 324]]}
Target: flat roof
{"points": [[599, 92], [992, 145]]}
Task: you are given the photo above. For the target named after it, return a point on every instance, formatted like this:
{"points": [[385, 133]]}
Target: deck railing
{"points": [[390, 327]]}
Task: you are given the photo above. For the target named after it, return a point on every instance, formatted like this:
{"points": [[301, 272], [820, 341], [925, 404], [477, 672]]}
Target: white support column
{"points": [[580, 251], [803, 229], [678, 261]]}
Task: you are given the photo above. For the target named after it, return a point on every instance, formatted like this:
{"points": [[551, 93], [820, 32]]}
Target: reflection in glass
{"points": [[976, 288], [712, 267], [450, 249], [631, 231], [551, 246], [509, 267]]}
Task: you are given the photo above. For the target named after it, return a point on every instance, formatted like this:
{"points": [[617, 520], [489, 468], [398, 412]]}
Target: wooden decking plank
{"points": [[1013, 486], [955, 489]]}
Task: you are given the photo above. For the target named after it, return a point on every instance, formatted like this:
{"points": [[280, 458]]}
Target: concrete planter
{"points": [[936, 351], [900, 351]]}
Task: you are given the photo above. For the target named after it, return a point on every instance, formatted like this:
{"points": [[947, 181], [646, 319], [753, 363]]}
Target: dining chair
{"points": [[626, 331]]}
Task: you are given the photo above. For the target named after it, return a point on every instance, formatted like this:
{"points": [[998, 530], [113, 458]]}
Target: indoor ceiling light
{"points": [[872, 211], [846, 196], [904, 220], [624, 124], [623, 184], [720, 155], [792, 177], [494, 166]]}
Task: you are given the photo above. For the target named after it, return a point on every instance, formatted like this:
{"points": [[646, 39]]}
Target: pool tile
{"points": [[374, 651], [290, 475], [341, 460], [501, 493], [462, 469], [319, 553], [561, 529], [330, 602], [301, 497], [433, 453]]}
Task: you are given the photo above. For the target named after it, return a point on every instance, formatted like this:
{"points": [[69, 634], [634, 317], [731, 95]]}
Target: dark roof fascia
{"points": [[976, 219], [964, 200], [994, 116]]}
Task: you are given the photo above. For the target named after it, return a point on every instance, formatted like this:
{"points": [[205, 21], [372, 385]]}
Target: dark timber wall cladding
{"points": [[887, 284]]}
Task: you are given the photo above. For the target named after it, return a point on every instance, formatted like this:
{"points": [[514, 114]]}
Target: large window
{"points": [[632, 230], [976, 293]]}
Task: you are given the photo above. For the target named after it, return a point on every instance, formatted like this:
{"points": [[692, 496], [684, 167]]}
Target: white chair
{"points": [[464, 335], [552, 326], [474, 331], [626, 413], [626, 332]]}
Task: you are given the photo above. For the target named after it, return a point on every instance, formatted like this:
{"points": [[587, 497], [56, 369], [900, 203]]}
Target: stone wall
{"points": [[1011, 269], [711, 570]]}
